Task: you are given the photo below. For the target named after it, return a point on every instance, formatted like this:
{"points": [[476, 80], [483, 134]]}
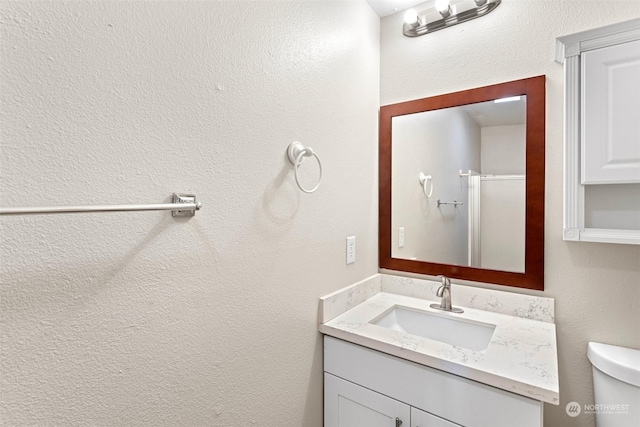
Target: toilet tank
{"points": [[616, 385]]}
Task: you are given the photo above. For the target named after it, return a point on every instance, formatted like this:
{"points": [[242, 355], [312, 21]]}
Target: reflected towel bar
{"points": [[182, 205], [454, 203]]}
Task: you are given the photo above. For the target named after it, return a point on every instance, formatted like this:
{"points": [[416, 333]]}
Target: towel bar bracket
{"points": [[185, 198]]}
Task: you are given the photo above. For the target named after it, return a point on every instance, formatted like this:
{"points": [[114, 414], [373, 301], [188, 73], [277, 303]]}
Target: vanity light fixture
{"points": [[446, 13]]}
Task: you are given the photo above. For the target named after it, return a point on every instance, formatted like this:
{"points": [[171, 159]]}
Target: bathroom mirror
{"points": [[462, 184]]}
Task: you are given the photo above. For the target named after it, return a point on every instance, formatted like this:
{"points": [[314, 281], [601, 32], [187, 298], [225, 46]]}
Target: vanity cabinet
{"points": [[364, 387]]}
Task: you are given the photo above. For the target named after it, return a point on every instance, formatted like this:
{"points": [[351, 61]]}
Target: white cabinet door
{"points": [[424, 419], [611, 114], [349, 405]]}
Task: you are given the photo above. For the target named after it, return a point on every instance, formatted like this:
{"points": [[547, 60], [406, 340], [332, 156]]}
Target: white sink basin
{"points": [[443, 327]]}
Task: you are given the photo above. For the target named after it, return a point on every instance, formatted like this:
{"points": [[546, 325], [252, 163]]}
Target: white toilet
{"points": [[616, 385]]}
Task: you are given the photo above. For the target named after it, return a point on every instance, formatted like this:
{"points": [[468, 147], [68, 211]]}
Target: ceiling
{"points": [[389, 7], [498, 114]]}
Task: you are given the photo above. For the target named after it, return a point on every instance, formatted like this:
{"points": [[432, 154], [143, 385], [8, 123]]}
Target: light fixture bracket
{"points": [[463, 11]]}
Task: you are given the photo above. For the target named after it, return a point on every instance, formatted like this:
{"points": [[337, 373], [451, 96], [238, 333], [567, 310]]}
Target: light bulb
{"points": [[442, 5], [411, 17]]}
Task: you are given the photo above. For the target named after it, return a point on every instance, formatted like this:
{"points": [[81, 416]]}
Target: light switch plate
{"points": [[351, 249]]}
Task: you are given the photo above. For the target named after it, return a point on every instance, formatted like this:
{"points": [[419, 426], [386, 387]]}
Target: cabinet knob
{"points": [[398, 422]]}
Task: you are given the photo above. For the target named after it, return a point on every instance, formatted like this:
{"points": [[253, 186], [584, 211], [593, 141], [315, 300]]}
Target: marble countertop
{"points": [[521, 356]]}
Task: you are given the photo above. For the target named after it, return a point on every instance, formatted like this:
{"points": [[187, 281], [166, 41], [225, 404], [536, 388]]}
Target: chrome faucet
{"points": [[444, 292]]}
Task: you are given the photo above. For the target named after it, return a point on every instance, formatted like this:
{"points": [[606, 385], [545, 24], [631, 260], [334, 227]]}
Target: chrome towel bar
{"points": [[182, 205]]}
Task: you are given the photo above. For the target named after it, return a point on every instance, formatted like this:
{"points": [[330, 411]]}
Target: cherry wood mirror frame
{"points": [[533, 276]]}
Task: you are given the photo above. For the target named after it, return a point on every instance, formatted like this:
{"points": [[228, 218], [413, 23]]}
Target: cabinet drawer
{"points": [[424, 419]]}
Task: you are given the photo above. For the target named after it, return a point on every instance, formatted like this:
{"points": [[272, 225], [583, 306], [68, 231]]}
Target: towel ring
{"points": [[296, 153], [423, 180]]}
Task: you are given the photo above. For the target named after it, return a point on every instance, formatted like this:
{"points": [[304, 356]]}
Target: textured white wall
{"points": [[141, 319], [438, 143], [596, 286]]}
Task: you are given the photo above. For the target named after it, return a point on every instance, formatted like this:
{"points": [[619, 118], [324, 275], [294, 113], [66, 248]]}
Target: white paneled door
{"points": [[349, 405], [611, 114]]}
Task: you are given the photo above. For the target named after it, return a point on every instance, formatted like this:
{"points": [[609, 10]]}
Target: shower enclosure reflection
{"points": [[475, 155]]}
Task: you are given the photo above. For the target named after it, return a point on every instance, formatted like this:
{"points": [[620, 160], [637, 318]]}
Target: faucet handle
{"points": [[446, 282]]}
